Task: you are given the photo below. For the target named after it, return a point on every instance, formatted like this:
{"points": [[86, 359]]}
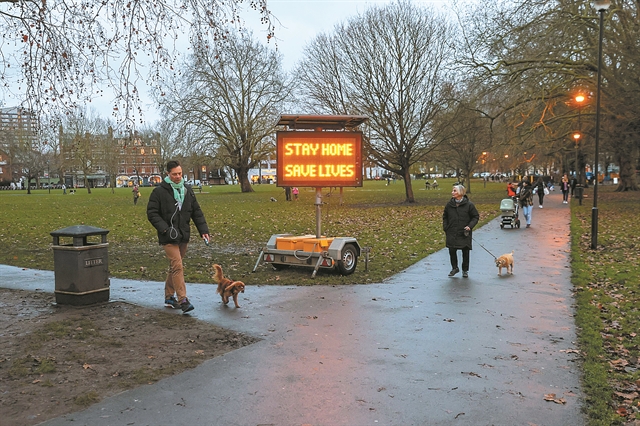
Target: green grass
{"points": [[399, 234], [608, 310], [87, 399]]}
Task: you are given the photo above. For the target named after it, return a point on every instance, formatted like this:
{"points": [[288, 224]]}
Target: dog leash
{"points": [[485, 249]]}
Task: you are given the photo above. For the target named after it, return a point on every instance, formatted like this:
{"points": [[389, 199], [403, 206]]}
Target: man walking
{"points": [[172, 205]]}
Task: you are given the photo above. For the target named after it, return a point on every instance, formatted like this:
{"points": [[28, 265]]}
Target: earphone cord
{"points": [[173, 232]]}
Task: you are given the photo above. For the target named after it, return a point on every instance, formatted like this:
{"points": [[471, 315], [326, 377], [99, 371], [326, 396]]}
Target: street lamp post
{"points": [[484, 168], [49, 177], [579, 170], [601, 6], [578, 188]]}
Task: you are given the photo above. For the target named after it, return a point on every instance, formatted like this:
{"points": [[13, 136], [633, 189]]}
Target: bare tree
{"points": [[59, 53], [466, 138], [81, 137], [31, 159], [390, 64], [228, 103], [109, 156], [541, 53], [169, 141]]}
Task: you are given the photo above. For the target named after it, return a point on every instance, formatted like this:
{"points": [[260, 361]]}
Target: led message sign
{"points": [[319, 159]]}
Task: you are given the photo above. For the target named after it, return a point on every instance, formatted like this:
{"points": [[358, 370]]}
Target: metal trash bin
{"points": [[579, 193], [82, 267]]}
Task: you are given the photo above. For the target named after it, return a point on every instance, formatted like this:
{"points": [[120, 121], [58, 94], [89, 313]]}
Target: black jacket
{"points": [[173, 224], [455, 217], [526, 196]]}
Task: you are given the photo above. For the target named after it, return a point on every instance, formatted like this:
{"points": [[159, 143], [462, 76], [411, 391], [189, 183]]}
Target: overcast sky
{"points": [[299, 22]]}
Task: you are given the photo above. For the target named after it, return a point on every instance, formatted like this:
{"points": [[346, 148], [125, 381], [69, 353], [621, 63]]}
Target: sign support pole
{"points": [[318, 204]]}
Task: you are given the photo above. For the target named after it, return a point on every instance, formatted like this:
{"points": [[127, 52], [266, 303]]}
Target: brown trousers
{"points": [[175, 277]]}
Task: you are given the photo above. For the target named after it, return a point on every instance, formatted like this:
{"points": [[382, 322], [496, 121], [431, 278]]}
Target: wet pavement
{"points": [[418, 349]]}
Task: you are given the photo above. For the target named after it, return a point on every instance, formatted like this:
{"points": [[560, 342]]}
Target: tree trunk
{"points": [[627, 174], [468, 184], [407, 186], [243, 178], [86, 184]]}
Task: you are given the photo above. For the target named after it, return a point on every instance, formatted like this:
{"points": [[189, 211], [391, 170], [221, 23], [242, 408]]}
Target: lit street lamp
{"points": [[601, 6]]}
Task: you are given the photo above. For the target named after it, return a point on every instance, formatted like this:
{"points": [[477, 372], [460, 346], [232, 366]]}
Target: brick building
{"points": [[135, 159]]}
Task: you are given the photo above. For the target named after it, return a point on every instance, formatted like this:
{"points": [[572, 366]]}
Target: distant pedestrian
{"points": [[136, 194], [459, 217], [525, 197], [295, 192], [539, 188], [565, 187], [287, 193], [64, 189]]}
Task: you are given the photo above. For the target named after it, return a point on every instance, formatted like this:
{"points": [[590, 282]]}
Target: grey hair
{"points": [[461, 189]]}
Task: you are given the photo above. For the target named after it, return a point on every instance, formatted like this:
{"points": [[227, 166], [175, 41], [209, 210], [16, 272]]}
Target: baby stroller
{"points": [[509, 209]]}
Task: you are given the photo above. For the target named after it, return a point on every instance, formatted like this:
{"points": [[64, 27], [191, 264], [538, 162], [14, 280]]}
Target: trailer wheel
{"points": [[347, 263], [279, 266]]}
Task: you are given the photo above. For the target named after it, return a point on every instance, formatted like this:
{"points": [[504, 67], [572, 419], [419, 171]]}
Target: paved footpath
{"points": [[419, 349]]}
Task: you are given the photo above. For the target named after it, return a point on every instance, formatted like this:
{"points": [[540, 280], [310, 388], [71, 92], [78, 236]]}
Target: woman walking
{"points": [[458, 219], [565, 187], [526, 201]]}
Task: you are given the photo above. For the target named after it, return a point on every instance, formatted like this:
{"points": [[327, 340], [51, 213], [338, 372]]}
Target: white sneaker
{"points": [[540, 206]]}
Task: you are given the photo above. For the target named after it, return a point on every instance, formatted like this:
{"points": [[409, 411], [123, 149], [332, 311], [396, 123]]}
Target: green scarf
{"points": [[178, 190]]}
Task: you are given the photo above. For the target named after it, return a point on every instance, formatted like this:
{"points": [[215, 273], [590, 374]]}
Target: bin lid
{"points": [[79, 231]]}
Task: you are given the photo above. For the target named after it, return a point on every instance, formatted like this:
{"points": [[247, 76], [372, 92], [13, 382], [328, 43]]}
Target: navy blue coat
{"points": [[455, 217], [162, 212]]}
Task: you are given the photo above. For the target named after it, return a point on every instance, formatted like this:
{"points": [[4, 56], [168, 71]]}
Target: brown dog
{"points": [[505, 261], [226, 287]]}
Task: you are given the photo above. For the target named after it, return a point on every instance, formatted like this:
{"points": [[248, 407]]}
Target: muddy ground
{"points": [[58, 359]]}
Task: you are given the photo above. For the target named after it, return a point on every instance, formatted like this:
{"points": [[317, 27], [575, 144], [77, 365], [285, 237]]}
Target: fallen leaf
{"points": [[631, 396], [552, 397]]}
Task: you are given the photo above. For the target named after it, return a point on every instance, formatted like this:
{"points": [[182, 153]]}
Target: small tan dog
{"points": [[226, 287], [505, 261]]}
